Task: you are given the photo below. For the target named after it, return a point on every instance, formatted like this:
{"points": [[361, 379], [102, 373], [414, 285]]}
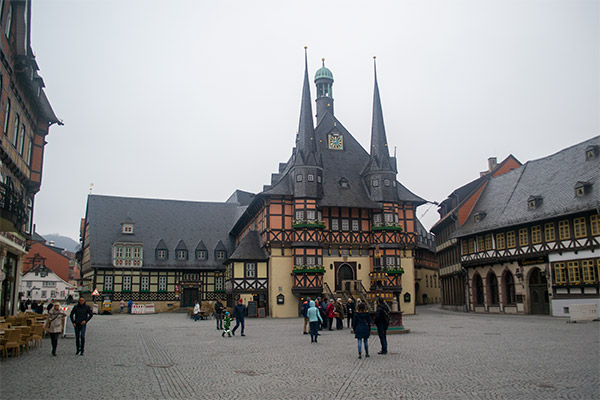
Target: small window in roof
{"points": [[127, 228], [592, 152], [479, 216], [344, 183], [534, 202], [582, 188]]}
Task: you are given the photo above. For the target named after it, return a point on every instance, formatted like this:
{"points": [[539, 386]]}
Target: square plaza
{"points": [[446, 355]]}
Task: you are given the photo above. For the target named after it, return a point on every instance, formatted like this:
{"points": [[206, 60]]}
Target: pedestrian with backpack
{"points": [[382, 321]]}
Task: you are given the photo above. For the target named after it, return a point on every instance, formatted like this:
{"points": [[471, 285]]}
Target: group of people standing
{"points": [[319, 315]]}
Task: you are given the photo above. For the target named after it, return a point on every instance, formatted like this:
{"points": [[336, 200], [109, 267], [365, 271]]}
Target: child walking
{"points": [[362, 328], [226, 324]]}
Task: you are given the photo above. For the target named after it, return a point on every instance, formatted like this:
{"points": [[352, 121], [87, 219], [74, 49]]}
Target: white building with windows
{"points": [[41, 283]]}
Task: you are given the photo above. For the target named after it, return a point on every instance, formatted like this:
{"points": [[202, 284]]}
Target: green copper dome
{"points": [[323, 73]]}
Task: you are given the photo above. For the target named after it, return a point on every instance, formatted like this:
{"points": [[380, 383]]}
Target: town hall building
{"points": [[334, 221]]}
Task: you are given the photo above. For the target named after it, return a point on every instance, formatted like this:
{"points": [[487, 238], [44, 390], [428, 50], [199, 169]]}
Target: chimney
{"points": [[492, 162]]}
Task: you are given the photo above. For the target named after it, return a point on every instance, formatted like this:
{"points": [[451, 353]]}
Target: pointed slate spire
{"points": [[380, 156], [306, 144]]}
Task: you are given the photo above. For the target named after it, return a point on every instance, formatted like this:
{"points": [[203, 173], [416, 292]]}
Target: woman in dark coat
{"points": [[362, 328]]}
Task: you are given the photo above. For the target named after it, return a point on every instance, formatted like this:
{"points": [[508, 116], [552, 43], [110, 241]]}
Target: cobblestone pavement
{"points": [[447, 355]]}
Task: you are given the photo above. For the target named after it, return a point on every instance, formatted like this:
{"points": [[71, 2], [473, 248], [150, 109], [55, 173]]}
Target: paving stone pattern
{"points": [[447, 355]]}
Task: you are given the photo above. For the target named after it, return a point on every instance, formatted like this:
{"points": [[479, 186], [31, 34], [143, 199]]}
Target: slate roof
{"points": [[505, 199], [250, 249], [158, 223], [337, 164]]}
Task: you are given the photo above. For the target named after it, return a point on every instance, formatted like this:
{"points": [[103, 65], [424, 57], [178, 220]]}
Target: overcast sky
{"points": [[193, 99]]}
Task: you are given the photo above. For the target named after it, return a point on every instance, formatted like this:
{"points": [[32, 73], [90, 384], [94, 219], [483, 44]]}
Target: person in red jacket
{"points": [[330, 313]]}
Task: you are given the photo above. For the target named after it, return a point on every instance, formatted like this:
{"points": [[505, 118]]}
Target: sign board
{"points": [[95, 293], [68, 328], [261, 312], [252, 309], [95, 309], [150, 309]]}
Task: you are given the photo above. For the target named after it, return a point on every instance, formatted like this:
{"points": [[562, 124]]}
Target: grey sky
{"points": [[194, 99]]}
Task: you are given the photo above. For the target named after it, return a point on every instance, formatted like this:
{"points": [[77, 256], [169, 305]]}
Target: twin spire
{"points": [[306, 146]]}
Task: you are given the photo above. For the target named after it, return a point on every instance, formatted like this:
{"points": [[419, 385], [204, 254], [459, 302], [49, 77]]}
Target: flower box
{"points": [[309, 270], [387, 228]]}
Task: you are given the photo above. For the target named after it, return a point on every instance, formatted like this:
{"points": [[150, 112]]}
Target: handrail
{"points": [[328, 289]]}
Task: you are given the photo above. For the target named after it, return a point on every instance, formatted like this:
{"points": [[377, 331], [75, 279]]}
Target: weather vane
{"points": [[91, 187]]}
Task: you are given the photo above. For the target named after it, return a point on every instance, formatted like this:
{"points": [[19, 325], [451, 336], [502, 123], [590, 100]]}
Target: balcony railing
{"points": [[12, 207]]}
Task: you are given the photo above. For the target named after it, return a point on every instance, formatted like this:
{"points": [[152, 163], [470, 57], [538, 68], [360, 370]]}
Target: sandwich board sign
{"points": [[68, 328]]}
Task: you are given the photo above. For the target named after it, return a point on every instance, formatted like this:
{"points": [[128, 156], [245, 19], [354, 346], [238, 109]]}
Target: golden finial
{"points": [[323, 59]]}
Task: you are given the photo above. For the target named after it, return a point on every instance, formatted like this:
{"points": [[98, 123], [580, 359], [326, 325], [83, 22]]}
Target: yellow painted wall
{"points": [[408, 285], [280, 273], [262, 270], [362, 274], [238, 270]]}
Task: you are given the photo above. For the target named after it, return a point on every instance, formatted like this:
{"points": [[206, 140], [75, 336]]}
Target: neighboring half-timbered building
{"points": [[531, 243], [454, 212], [168, 252]]}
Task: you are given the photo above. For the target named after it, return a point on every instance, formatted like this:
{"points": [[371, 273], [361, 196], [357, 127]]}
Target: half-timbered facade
{"points": [[167, 252], [532, 241], [25, 119], [454, 212], [334, 221]]}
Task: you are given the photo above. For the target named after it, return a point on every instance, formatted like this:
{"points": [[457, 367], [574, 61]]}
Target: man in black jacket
{"points": [[382, 321], [80, 315], [239, 312]]}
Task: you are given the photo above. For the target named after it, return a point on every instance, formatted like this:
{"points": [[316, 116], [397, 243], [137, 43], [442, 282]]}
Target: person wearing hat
{"points": [[239, 312]]}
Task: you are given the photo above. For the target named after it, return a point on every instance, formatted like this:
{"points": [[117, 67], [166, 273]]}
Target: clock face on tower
{"points": [[336, 141]]}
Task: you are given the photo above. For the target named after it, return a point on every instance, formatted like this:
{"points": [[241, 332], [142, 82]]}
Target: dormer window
{"points": [[344, 183], [592, 152], [375, 182], [220, 254], [582, 188], [161, 254], [479, 216], [182, 255], [534, 202], [201, 254], [127, 228]]}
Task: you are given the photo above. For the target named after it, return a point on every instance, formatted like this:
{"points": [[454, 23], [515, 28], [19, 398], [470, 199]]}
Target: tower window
{"points": [[386, 182], [299, 178], [375, 182], [310, 177]]}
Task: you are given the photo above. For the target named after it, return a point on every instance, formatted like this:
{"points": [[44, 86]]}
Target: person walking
{"points": [[339, 314], [54, 325], [80, 316], [350, 306], [122, 305], [361, 323], [196, 311], [305, 307], [129, 306], [330, 314], [227, 326], [382, 321], [314, 316], [239, 313], [219, 314]]}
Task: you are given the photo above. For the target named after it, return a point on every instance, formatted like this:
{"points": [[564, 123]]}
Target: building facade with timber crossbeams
{"points": [[335, 221], [25, 120]]}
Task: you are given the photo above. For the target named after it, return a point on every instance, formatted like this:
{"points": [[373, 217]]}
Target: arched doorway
{"points": [[344, 272], [478, 284], [539, 302]]}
